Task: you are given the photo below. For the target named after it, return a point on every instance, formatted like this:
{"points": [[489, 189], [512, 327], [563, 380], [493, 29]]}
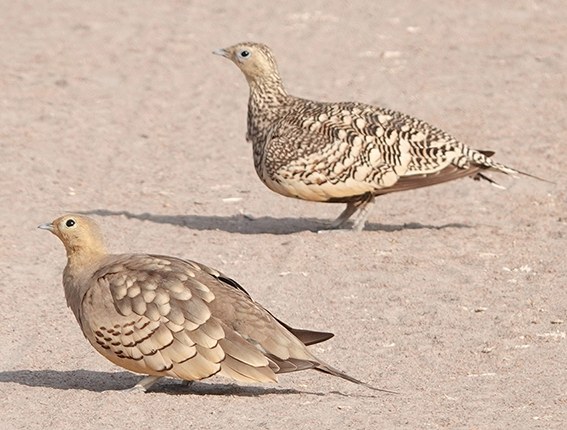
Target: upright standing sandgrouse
{"points": [[343, 152]]}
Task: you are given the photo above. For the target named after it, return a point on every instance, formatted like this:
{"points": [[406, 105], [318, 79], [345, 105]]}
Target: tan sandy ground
{"points": [[453, 295]]}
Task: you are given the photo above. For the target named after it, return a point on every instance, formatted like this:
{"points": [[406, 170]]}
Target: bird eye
{"points": [[244, 54], [70, 223]]}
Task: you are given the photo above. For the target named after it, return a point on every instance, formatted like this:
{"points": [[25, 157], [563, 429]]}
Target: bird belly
{"points": [[317, 192]]}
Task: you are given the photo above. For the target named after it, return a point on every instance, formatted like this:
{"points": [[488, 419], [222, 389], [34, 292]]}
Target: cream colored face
{"points": [[74, 230], [66, 226], [250, 58]]}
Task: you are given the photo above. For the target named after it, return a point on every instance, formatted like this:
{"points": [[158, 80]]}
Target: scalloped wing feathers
{"points": [[329, 151], [168, 317]]}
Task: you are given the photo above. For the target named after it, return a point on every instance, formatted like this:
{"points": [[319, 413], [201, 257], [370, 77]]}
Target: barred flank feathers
{"points": [[343, 152]]}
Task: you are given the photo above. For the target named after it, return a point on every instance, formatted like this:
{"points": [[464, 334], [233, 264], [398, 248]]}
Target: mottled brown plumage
{"points": [[343, 152], [163, 316]]}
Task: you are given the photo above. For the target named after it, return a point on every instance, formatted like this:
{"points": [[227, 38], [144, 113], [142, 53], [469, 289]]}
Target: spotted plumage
{"points": [[343, 152], [163, 316]]}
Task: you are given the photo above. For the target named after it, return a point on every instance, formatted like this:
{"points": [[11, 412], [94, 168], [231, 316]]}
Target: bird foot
{"points": [[138, 388], [336, 231], [186, 384], [144, 385]]}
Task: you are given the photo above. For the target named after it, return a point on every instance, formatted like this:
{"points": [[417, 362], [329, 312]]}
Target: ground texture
{"points": [[454, 295]]}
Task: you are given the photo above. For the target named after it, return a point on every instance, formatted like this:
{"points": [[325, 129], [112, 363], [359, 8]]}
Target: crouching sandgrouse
{"points": [[164, 316]]}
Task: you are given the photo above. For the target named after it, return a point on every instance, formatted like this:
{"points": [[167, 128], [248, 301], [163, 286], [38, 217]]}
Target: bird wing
{"points": [[163, 316], [328, 151], [308, 337], [449, 173]]}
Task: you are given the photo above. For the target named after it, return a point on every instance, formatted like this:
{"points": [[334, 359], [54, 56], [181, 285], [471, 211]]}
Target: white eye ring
{"points": [[244, 54], [70, 222]]}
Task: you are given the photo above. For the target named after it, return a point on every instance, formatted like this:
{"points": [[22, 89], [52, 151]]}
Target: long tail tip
{"points": [[383, 390], [335, 372]]}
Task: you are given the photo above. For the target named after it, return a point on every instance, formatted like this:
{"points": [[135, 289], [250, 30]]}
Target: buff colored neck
{"points": [[82, 262]]}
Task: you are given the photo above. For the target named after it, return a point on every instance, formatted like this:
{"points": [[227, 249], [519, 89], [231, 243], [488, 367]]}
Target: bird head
{"points": [[254, 59], [79, 234]]}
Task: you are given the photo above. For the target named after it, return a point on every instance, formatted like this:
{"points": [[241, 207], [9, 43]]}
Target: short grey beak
{"points": [[46, 226], [221, 52]]}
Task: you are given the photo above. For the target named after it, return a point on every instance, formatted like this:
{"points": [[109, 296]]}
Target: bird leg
{"points": [[345, 215], [144, 385], [363, 205]]}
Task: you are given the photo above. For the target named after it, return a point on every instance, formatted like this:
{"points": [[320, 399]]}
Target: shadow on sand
{"points": [[102, 381], [262, 225]]}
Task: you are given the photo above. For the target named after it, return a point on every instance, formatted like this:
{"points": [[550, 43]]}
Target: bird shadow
{"points": [[262, 225], [115, 381]]}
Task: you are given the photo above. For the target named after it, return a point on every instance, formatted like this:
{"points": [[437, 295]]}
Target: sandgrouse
{"points": [[163, 316], [343, 152]]}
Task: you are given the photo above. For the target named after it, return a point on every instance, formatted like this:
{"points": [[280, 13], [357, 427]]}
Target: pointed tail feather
{"points": [[509, 171], [324, 368], [491, 164], [535, 177]]}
